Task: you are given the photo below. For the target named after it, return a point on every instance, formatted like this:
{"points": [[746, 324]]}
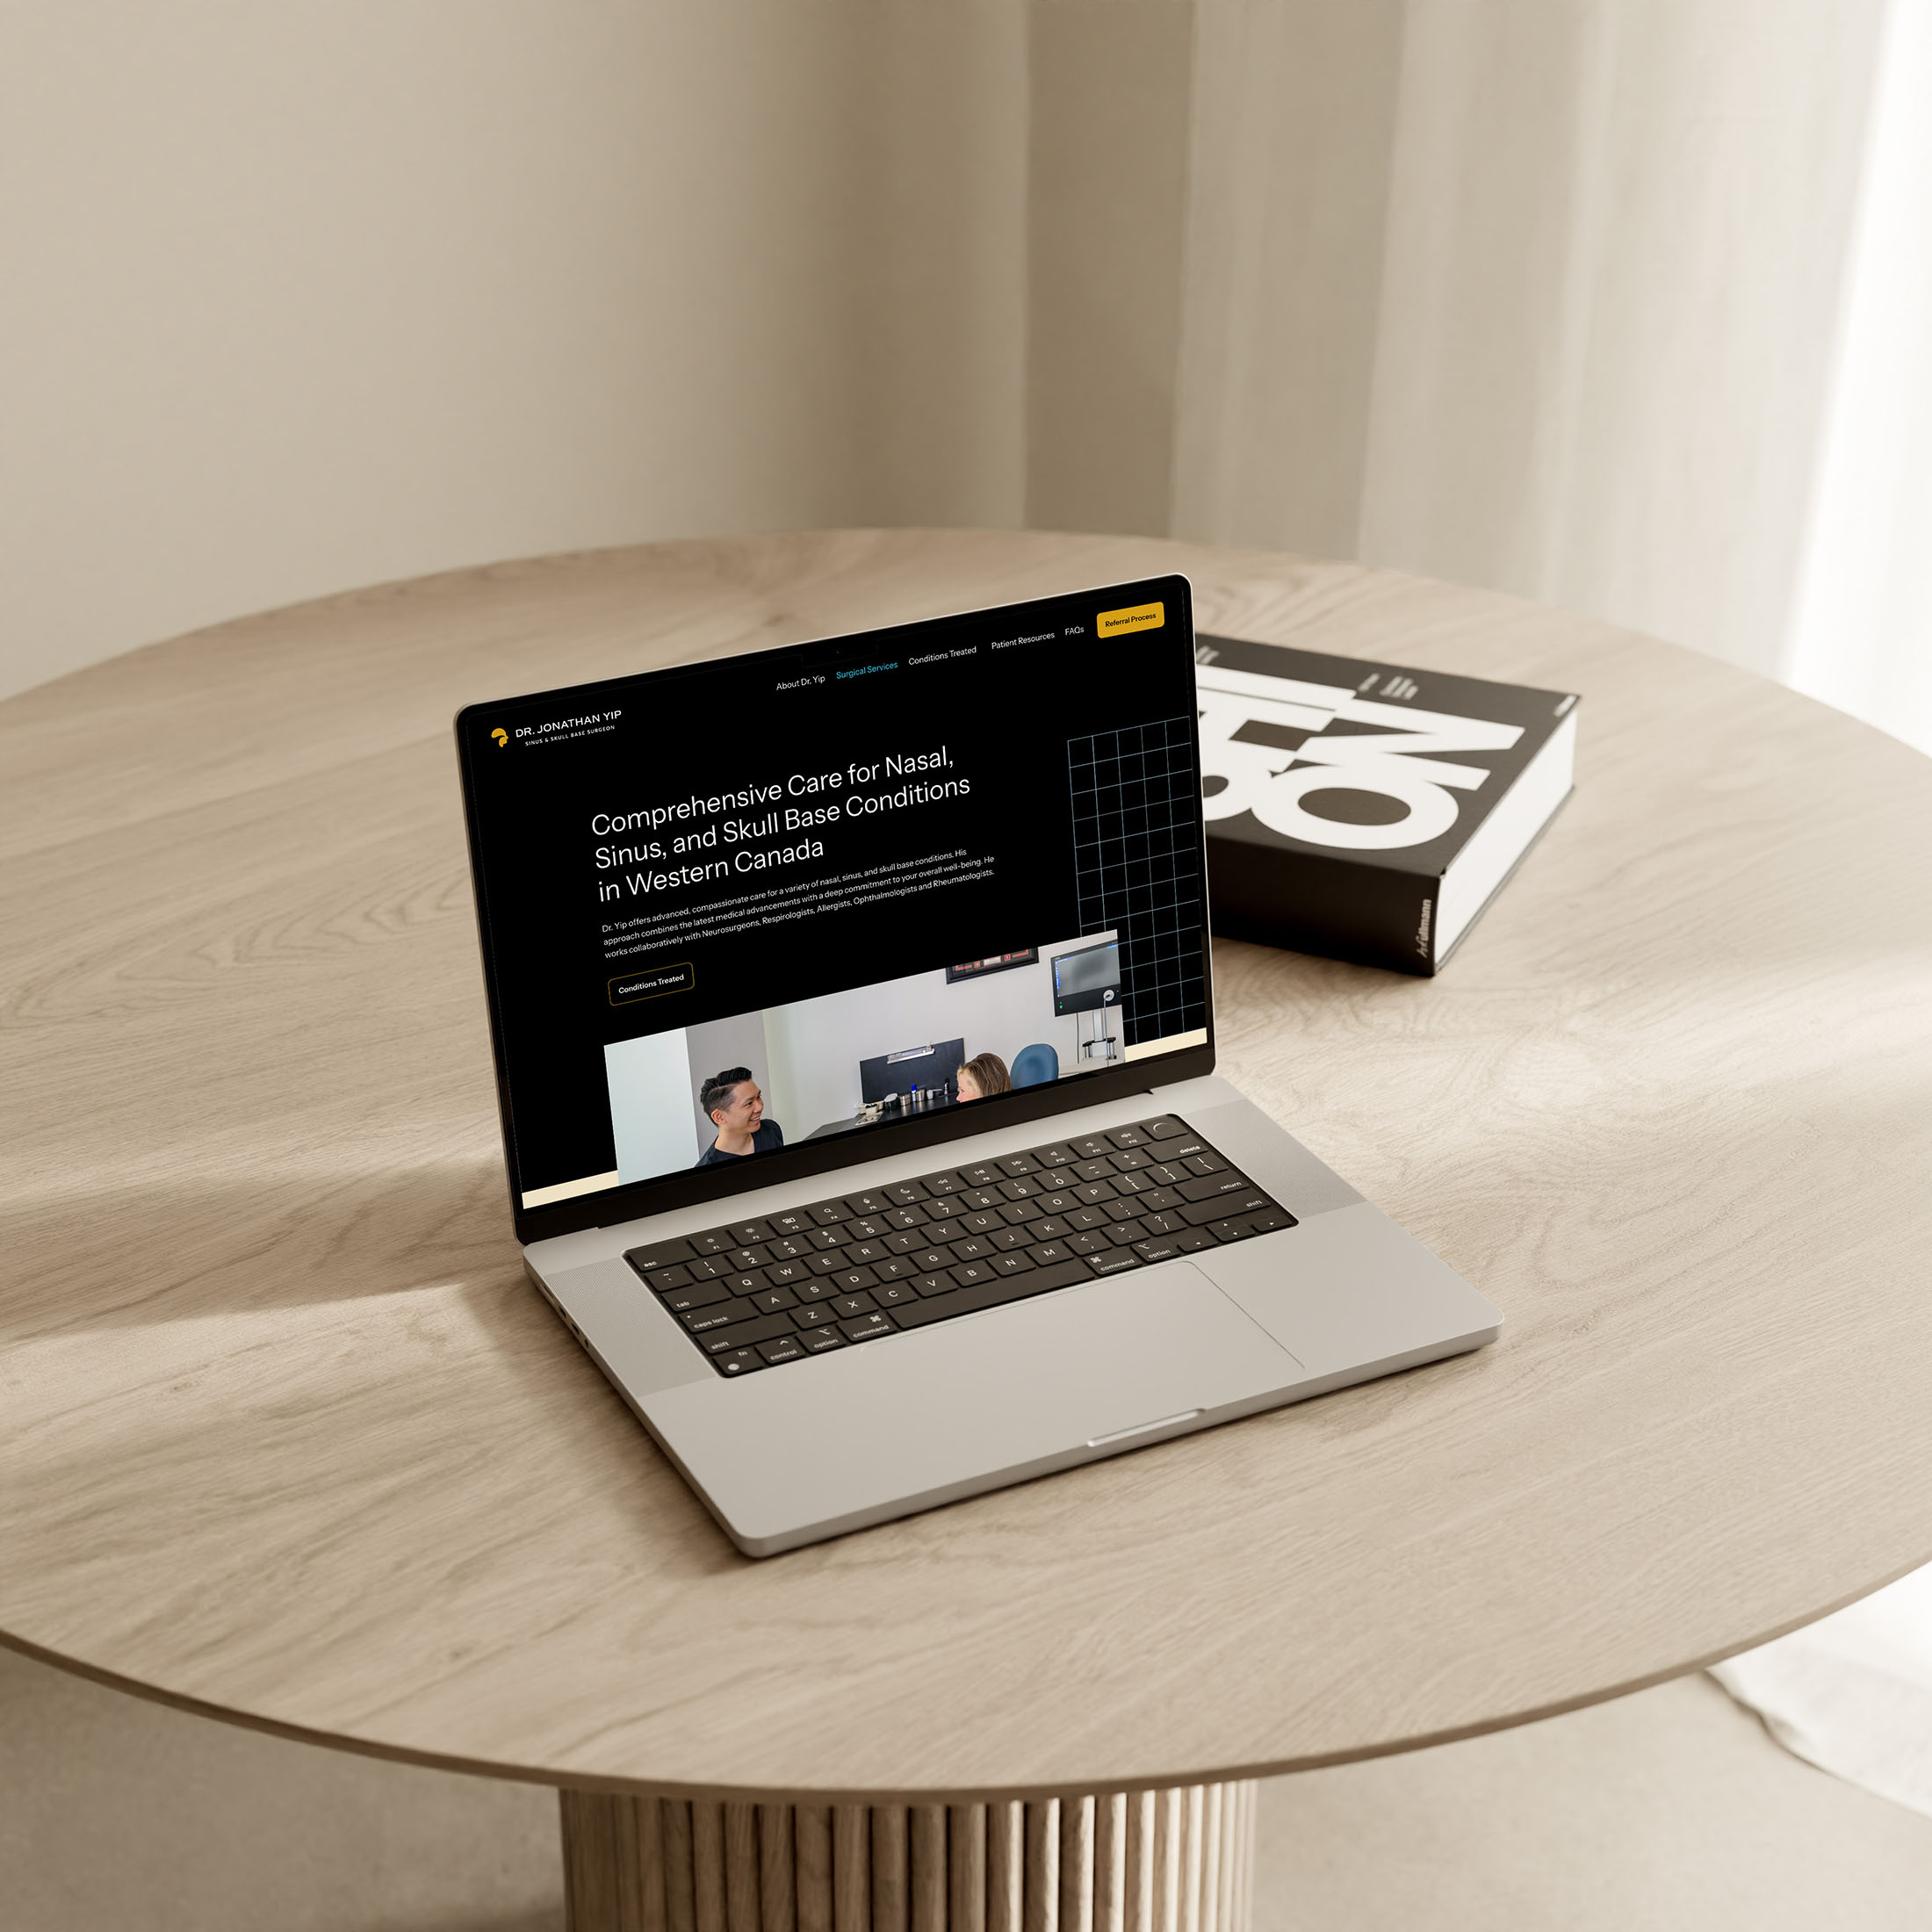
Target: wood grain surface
{"points": [[287, 1437]]}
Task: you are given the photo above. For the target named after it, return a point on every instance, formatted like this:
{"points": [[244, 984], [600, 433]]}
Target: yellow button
{"points": [[1110, 623]]}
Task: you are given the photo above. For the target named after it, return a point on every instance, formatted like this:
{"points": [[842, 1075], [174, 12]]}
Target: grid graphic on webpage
{"points": [[1137, 862]]}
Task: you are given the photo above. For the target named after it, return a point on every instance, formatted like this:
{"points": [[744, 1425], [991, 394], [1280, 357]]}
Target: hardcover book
{"points": [[1365, 812]]}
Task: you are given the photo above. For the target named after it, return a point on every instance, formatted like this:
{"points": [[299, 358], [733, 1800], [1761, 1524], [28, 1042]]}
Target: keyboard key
{"points": [[863, 1253], [826, 1239], [819, 1341], [870, 1228], [797, 1222], [1010, 1237], [1163, 1223], [928, 1259], [818, 1289], [1157, 1248], [851, 1280], [707, 1268], [1060, 1202], [1164, 1175], [1160, 1199], [1130, 1157], [982, 1198], [1163, 1129], [1127, 1136], [905, 1217], [1124, 1234], [740, 1361], [746, 1334], [1204, 1163], [1092, 1191], [783, 1348], [943, 1183], [1089, 1241], [968, 1274], [1271, 1222], [869, 1204], [718, 1315], [1205, 1186], [982, 1175], [890, 1294], [895, 1267], [815, 1314], [657, 1254], [782, 1275], [661, 1279], [906, 1242], [713, 1241], [788, 1248], [1234, 1228], [1089, 1147], [1048, 1253], [746, 1232], [906, 1192], [1085, 1217], [743, 1284], [829, 1262], [1018, 1189], [700, 1295], [1017, 1164], [867, 1326], [1012, 1263], [1059, 1155], [1093, 1169], [854, 1304], [991, 1294], [1113, 1260], [937, 1211], [972, 1249], [1194, 1241], [829, 1211], [772, 1300], [1050, 1227], [1017, 1214], [979, 1222], [934, 1284], [747, 1259], [1251, 1200], [1130, 1184]]}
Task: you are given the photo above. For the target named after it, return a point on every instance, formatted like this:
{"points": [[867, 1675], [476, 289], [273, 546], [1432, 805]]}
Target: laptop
{"points": [[854, 1021]]}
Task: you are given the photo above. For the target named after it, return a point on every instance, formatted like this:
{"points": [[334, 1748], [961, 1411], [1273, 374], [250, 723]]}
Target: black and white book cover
{"points": [[1363, 810]]}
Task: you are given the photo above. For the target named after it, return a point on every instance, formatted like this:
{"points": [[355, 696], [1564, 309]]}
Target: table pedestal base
{"points": [[1181, 1860]]}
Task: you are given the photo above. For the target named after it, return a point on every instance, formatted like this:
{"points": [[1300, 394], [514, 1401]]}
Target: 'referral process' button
{"points": [[1147, 617], [652, 984]]}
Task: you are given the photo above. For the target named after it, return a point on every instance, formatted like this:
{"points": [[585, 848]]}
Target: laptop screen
{"points": [[741, 916]]}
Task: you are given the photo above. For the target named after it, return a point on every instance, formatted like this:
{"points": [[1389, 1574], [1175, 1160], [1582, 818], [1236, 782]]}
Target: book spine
{"points": [[1334, 907]]}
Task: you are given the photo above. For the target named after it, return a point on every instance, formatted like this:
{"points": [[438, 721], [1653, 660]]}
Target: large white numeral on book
{"points": [[1267, 740]]}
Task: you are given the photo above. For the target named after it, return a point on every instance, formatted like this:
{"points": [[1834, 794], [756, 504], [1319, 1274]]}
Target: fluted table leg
{"points": [[1181, 1860]]}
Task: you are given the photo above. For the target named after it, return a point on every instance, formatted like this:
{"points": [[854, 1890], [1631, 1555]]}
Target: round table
{"points": [[291, 1440]]}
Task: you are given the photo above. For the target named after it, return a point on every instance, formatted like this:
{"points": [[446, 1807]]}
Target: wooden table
{"points": [[290, 1440]]}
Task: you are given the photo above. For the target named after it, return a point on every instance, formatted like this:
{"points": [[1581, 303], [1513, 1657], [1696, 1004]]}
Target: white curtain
{"points": [[1615, 303]]}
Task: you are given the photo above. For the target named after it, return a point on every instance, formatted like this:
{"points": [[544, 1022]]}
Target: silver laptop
{"points": [[854, 1041]]}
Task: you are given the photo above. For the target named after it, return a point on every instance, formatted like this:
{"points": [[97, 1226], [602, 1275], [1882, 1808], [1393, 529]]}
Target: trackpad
{"points": [[910, 1414]]}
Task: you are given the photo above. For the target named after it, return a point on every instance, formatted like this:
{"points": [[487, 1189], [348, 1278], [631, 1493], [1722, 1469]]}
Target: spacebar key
{"points": [[990, 1295]]}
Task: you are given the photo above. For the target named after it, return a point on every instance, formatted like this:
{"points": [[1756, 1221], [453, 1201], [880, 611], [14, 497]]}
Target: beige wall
{"points": [[302, 297], [297, 298]]}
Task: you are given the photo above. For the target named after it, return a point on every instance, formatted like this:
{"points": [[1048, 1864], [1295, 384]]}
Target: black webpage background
{"points": [[1007, 717]]}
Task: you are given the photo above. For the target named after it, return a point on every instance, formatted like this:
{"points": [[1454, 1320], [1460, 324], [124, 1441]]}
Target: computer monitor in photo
{"points": [[1088, 979]]}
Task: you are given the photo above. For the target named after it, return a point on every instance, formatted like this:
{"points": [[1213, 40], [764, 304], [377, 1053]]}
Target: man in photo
{"points": [[737, 1110]]}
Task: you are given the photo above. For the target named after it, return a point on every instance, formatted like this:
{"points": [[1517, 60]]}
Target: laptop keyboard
{"points": [[830, 1274]]}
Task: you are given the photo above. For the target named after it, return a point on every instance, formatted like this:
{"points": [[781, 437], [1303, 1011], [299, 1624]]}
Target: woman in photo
{"points": [[984, 1073]]}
